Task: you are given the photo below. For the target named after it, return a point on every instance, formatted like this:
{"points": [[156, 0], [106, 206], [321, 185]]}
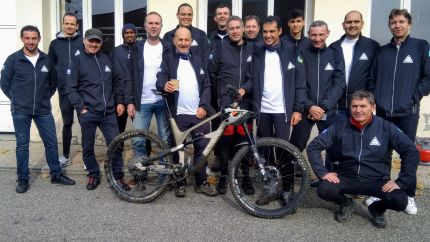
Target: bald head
{"points": [[182, 40], [353, 24]]}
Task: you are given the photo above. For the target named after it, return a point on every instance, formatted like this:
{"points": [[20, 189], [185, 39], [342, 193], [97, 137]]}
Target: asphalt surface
{"points": [[50, 212]]}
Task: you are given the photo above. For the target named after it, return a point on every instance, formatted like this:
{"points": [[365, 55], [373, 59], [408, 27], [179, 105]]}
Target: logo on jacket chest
{"points": [[408, 60], [328, 67], [290, 66], [363, 57], [107, 69], [44, 69], [194, 43], [77, 53], [375, 142]]}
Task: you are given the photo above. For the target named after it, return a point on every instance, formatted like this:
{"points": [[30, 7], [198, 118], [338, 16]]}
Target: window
{"points": [[282, 8], [103, 19], [254, 7], [420, 19], [135, 12]]}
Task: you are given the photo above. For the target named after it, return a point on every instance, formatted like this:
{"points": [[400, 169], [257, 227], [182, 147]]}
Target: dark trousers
{"points": [[122, 121], [109, 127], [409, 126], [67, 112], [302, 131], [396, 200], [274, 125], [185, 122], [228, 145]]}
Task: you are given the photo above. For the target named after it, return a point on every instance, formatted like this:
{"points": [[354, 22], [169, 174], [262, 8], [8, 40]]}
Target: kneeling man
{"points": [[363, 148]]}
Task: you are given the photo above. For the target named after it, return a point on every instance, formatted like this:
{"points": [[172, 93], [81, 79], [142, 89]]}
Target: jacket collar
{"points": [[401, 43], [360, 126]]}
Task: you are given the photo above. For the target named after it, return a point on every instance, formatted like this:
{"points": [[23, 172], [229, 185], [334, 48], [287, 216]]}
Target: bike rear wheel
{"points": [[284, 183], [143, 182]]}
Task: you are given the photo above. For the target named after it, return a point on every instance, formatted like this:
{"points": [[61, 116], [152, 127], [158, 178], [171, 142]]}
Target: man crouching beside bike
{"points": [[184, 76], [363, 148]]}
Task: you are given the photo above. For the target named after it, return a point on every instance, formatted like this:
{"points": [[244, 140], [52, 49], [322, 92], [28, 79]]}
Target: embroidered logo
{"points": [[44, 69], [211, 56], [69, 72], [194, 43], [299, 59], [107, 69], [202, 72], [77, 53], [249, 59], [408, 60], [328, 67], [363, 57], [375, 142], [290, 66]]}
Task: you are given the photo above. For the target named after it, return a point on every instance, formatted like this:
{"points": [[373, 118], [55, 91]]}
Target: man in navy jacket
{"points": [[190, 102], [28, 80], [68, 42], [400, 78], [90, 90], [363, 148]]}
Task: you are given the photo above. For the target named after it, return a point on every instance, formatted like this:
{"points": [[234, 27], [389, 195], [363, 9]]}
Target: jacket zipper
{"points": [[394, 80], [283, 88], [240, 66], [34, 93], [318, 79], [103, 85], [359, 154]]}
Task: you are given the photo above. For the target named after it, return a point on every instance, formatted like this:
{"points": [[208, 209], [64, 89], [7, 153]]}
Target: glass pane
{"points": [[379, 30], [420, 19], [73, 6], [282, 8], [135, 12], [212, 4], [103, 19], [255, 7]]}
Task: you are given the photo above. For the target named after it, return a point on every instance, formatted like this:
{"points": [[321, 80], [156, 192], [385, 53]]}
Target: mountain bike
{"points": [[271, 164]]}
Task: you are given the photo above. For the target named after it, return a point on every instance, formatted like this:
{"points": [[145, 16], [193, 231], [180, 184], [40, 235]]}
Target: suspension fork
{"points": [[252, 143]]}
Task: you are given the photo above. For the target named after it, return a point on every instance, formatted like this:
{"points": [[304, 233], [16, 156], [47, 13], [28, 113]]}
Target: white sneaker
{"points": [[371, 200], [411, 209], [64, 161]]}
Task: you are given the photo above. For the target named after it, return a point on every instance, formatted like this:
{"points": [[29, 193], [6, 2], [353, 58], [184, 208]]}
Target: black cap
{"points": [[94, 34]]}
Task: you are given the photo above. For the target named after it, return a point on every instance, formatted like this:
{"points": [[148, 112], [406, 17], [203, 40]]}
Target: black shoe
{"points": [[63, 180], [123, 184], [22, 186], [180, 191], [221, 187], [248, 189], [344, 213], [378, 219], [93, 182], [266, 197], [315, 183]]}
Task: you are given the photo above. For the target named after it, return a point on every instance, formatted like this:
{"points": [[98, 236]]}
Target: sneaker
{"points": [[221, 187], [344, 213], [93, 182], [411, 208], [63, 180], [371, 200], [22, 186], [377, 219], [247, 187], [266, 197], [64, 161], [207, 189], [180, 192], [123, 184]]}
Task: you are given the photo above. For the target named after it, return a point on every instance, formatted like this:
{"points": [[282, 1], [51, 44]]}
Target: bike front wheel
{"points": [[273, 189], [129, 177]]}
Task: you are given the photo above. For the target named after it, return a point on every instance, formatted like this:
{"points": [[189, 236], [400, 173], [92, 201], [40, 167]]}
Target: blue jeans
{"points": [[46, 126], [142, 120]]}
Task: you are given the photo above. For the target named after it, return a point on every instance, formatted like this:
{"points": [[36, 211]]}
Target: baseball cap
{"points": [[94, 34]]}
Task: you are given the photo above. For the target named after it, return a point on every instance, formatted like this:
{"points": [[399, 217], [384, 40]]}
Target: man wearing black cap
{"points": [[90, 90], [121, 70]]}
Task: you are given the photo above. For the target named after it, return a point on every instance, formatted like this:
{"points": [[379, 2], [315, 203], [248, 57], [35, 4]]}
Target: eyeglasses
{"points": [[97, 41]]}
